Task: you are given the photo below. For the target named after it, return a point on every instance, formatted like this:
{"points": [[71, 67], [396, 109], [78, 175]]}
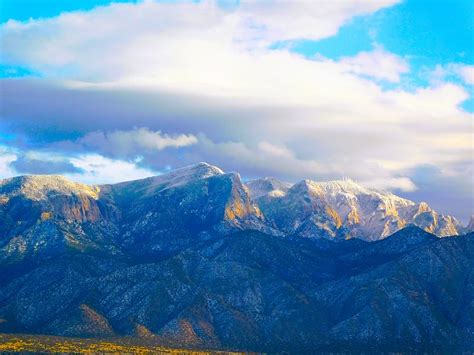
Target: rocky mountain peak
{"points": [[203, 168], [343, 186], [204, 196], [189, 173], [179, 177], [306, 187], [362, 212], [39, 187]]}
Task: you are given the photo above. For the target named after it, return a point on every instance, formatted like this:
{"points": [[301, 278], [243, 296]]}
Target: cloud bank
{"points": [[152, 86]]}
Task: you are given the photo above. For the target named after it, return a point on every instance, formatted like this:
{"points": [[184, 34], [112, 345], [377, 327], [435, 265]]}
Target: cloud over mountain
{"points": [[158, 85]]}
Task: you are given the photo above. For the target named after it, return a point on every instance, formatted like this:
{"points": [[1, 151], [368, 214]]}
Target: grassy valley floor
{"points": [[53, 344]]}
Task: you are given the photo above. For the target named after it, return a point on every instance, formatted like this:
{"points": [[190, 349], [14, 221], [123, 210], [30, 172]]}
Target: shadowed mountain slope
{"points": [[254, 291]]}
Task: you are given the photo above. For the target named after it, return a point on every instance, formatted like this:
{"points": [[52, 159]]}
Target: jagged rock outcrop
{"points": [[166, 213], [344, 209], [162, 214], [197, 200], [45, 215]]}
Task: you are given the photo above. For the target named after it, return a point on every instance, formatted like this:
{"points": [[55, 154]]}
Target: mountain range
{"points": [[199, 257]]}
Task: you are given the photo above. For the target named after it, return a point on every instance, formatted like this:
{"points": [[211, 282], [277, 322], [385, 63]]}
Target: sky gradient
{"points": [[106, 91]]}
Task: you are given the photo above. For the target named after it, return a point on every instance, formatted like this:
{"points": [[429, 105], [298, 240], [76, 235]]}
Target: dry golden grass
{"points": [[53, 344]]}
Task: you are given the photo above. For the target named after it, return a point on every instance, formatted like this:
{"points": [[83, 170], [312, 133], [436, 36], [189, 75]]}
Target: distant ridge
{"points": [[337, 209]]}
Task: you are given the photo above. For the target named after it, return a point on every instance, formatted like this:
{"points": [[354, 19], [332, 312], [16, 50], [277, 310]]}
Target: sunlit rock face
{"points": [[50, 196], [163, 214], [303, 211], [344, 209], [45, 215], [159, 215]]}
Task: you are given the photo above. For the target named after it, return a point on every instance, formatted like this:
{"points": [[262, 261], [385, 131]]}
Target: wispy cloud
{"points": [[378, 64], [467, 73], [462, 72], [135, 141]]}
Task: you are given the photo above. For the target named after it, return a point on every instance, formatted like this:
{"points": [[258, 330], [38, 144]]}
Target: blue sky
{"points": [[23, 10], [429, 33], [378, 91]]}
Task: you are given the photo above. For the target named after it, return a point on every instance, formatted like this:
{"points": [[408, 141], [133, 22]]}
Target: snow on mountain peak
{"points": [[364, 212], [344, 186], [305, 207], [199, 170], [39, 187], [189, 173], [174, 178], [306, 188]]}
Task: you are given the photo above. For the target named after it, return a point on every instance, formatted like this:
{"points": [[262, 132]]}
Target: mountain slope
{"points": [[46, 215], [344, 209], [43, 216], [252, 290], [191, 258], [164, 214], [197, 200]]}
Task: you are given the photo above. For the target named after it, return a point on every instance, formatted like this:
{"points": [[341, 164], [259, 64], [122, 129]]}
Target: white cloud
{"points": [[287, 20], [260, 111], [6, 158], [119, 142], [187, 46], [461, 71], [265, 158], [467, 73], [91, 168], [274, 150], [394, 183], [97, 169], [378, 64]]}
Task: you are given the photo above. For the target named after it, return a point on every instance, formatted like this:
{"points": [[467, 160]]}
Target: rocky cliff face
{"points": [[167, 213], [159, 215], [42, 216], [198, 200], [196, 257], [344, 209]]}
